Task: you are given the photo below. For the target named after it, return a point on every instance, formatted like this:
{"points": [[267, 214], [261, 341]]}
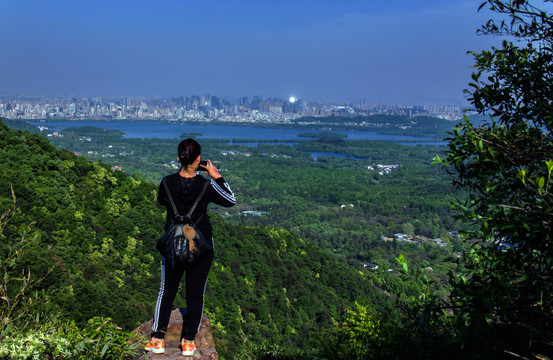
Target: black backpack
{"points": [[183, 242]]}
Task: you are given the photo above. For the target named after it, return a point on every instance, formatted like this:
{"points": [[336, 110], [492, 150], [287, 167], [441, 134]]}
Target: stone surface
{"points": [[205, 347]]}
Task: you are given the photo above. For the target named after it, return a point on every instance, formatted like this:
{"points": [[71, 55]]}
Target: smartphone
{"points": [[204, 163]]}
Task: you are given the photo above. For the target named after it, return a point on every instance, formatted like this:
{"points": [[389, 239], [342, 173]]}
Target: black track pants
{"points": [[196, 279]]}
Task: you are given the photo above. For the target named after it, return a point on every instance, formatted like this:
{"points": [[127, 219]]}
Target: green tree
{"points": [[506, 164], [360, 336]]}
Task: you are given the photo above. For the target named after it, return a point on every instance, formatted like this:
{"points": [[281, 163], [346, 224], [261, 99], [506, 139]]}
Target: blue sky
{"points": [[395, 51]]}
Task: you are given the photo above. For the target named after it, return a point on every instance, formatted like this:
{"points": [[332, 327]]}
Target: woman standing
{"points": [[185, 185]]}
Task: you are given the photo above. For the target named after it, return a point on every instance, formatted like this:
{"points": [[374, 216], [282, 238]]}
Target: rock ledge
{"points": [[205, 347]]}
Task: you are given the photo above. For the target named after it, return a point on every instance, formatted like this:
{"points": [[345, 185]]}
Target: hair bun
{"points": [[188, 151]]}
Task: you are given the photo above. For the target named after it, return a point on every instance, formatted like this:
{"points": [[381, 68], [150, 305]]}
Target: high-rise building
{"points": [[257, 103], [215, 102]]}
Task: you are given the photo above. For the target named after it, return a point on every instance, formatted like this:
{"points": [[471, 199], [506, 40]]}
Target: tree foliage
{"points": [[506, 164], [94, 254]]}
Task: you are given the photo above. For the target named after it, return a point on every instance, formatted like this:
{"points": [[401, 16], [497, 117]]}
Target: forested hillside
{"points": [[343, 205], [96, 231]]}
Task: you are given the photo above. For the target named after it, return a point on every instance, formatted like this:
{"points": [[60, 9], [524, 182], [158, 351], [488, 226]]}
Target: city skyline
{"points": [[206, 108], [398, 52]]}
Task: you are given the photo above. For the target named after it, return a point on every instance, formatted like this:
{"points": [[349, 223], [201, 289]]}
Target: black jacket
{"points": [[185, 191]]}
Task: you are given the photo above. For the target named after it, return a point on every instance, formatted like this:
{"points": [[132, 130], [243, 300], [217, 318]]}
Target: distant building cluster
{"points": [[383, 169], [412, 239], [204, 108]]}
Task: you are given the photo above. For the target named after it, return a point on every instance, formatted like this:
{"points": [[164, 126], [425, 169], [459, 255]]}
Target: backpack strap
{"points": [[195, 202], [170, 197]]}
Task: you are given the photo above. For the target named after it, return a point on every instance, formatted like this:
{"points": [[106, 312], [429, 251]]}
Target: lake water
{"points": [[153, 129]]}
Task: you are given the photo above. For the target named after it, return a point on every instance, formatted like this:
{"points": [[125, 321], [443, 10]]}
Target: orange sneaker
{"points": [[157, 346], [188, 348]]}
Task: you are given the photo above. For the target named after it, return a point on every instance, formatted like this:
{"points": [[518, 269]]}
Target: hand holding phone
{"points": [[209, 168]]}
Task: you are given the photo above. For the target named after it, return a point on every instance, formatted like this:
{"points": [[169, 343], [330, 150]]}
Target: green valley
{"points": [[299, 248]]}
